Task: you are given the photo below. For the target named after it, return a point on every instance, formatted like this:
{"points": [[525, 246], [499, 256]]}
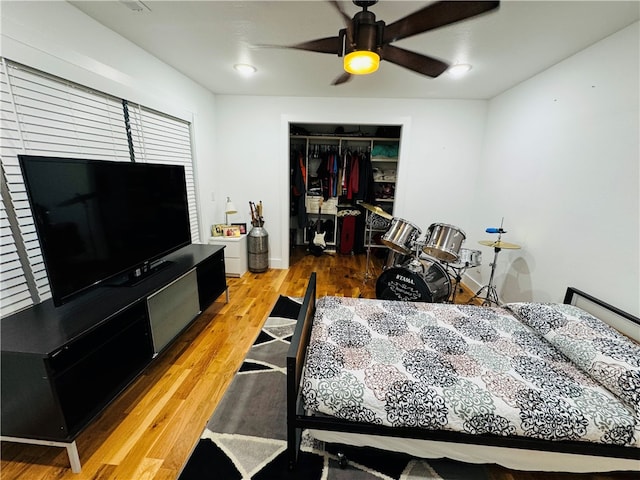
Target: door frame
{"points": [[343, 118]]}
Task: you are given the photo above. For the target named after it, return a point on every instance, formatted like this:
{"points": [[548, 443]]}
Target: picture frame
{"points": [[242, 226], [231, 231], [218, 229]]}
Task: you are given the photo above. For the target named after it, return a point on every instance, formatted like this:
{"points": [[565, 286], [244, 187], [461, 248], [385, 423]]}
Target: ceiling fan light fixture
{"points": [[245, 69], [361, 62]]}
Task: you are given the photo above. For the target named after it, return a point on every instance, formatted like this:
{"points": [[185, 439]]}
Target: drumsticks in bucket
{"points": [[256, 214]]}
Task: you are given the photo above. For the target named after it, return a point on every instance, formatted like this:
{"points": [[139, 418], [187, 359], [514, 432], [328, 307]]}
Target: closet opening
{"points": [[340, 176]]}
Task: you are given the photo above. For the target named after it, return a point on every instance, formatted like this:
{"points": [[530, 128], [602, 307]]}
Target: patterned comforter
{"points": [[463, 368]]}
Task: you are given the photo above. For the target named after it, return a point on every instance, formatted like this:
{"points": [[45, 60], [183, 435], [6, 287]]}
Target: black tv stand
{"points": [[61, 366], [139, 275]]}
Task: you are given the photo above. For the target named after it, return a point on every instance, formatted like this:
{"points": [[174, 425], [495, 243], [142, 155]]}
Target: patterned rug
{"points": [[246, 436]]}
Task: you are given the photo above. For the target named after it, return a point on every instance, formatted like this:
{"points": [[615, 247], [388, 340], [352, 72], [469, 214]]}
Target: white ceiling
{"points": [[204, 39]]}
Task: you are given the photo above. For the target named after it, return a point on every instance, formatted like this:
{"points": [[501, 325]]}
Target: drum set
{"points": [[427, 269]]}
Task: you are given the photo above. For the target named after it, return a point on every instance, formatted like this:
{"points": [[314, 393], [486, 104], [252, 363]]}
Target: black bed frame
{"points": [[298, 420]]}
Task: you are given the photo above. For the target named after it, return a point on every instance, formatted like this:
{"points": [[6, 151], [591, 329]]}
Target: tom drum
{"points": [[415, 281], [443, 242], [401, 236]]}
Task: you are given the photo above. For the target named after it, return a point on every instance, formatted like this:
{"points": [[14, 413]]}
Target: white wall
{"points": [[561, 164], [57, 38], [556, 156], [439, 155]]}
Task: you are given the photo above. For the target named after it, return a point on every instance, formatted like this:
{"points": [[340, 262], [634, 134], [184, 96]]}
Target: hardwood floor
{"points": [[150, 430]]}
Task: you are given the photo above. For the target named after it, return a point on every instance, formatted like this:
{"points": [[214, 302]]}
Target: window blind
{"points": [[15, 290], [159, 138], [45, 115]]}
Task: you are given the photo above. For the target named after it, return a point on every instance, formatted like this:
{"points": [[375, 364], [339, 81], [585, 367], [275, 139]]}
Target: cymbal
{"points": [[499, 244], [376, 210]]}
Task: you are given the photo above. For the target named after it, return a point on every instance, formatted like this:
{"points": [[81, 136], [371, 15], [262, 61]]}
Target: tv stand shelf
{"points": [[62, 366]]}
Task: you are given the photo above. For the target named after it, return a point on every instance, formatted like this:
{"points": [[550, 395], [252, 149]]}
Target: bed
{"points": [[529, 386]]}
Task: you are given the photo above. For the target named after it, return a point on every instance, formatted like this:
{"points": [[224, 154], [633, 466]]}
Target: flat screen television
{"points": [[100, 221]]}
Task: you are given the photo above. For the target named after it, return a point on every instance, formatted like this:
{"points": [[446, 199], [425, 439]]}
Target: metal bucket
{"points": [[258, 247]]}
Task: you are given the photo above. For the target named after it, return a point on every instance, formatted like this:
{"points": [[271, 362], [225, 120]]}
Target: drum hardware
{"points": [[367, 275], [443, 242], [457, 276], [497, 245], [375, 211]]}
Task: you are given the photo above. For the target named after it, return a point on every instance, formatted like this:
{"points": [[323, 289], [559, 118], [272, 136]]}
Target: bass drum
{"points": [[415, 281]]}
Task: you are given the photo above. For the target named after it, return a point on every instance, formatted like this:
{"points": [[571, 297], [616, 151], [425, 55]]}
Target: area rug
{"points": [[246, 436]]}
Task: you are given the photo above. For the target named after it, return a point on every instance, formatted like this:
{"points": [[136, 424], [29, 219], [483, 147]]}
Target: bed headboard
{"points": [[622, 321]]}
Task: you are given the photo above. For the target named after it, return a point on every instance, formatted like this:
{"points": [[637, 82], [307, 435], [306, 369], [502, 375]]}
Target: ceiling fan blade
{"points": [[434, 16], [321, 45], [413, 61], [347, 20], [344, 78], [338, 6]]}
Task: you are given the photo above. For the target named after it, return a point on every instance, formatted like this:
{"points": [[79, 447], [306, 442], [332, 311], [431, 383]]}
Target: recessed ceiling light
{"points": [[135, 5], [459, 69], [245, 68]]}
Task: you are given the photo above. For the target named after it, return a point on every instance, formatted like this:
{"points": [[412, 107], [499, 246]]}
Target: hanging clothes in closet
{"points": [[357, 182], [298, 183], [328, 172], [366, 193]]}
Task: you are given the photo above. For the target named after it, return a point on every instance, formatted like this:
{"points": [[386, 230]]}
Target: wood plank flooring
{"points": [[150, 430]]}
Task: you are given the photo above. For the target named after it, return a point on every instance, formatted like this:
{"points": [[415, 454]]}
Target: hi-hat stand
{"points": [[491, 297]]}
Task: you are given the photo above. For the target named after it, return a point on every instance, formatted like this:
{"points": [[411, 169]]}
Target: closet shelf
{"points": [[385, 159]]}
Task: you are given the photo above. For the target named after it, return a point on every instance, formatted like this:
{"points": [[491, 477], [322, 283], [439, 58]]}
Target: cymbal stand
{"points": [[367, 275]]}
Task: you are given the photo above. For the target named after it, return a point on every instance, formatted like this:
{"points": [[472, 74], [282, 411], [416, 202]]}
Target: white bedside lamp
{"points": [[229, 210]]}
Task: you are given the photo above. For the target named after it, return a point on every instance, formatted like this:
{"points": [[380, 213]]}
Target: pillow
{"points": [[606, 355]]}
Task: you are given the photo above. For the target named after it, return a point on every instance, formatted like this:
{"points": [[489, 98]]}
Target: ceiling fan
{"points": [[364, 41]]}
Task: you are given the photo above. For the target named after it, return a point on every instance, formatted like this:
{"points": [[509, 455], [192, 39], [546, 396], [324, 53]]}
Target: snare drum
{"points": [[443, 242], [415, 281], [468, 259], [401, 236]]}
